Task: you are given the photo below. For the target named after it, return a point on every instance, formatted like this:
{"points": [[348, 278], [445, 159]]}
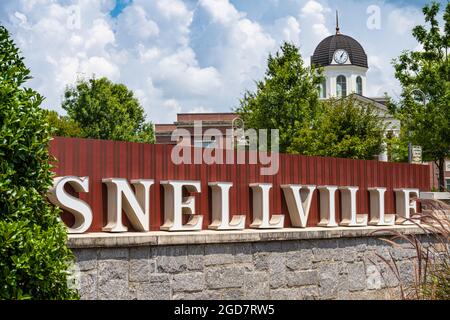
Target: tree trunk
{"points": [[441, 164]]}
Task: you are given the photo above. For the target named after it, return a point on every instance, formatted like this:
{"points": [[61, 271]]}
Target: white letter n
{"points": [[136, 206]]}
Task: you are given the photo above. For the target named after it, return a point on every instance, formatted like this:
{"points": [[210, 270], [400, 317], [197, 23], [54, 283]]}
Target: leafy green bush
{"points": [[34, 258]]}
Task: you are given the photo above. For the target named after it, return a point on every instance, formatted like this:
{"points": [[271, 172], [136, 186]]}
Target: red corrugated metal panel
{"points": [[99, 159]]}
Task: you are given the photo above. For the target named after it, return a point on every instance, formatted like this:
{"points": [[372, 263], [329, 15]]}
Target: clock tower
{"points": [[345, 65]]}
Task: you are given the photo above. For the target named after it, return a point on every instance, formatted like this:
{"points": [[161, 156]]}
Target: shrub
{"points": [[34, 258], [431, 276], [64, 127]]}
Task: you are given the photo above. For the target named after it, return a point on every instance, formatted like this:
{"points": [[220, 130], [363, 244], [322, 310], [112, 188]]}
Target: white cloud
{"points": [[172, 107], [241, 54], [291, 30], [136, 23], [61, 42], [173, 17], [221, 11], [181, 69], [314, 8], [381, 77], [320, 30], [313, 18], [286, 29], [401, 21], [98, 36], [174, 9], [148, 54], [100, 66], [68, 68], [200, 110], [186, 56]]}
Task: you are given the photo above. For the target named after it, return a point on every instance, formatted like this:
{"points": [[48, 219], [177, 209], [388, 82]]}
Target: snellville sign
{"points": [[136, 205], [112, 186]]}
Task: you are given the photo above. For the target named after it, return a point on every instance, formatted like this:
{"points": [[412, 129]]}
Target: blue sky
{"points": [[195, 55], [119, 6]]}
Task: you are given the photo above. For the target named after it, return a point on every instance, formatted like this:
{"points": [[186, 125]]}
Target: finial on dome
{"points": [[337, 23]]}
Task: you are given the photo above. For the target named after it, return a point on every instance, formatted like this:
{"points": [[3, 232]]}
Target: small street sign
{"points": [[415, 154]]}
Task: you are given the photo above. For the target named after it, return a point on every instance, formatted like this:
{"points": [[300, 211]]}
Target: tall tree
{"points": [[344, 128], [285, 98], [34, 258], [64, 127], [424, 109], [105, 110]]}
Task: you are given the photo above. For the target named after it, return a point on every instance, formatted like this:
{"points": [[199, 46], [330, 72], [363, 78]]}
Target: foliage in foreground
{"points": [[34, 258], [431, 272]]}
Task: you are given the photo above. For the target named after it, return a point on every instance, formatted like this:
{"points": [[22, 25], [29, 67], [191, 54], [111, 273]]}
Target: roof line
{"points": [[203, 113], [381, 106]]}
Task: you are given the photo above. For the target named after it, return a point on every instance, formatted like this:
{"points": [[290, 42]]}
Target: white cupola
{"points": [[345, 65]]}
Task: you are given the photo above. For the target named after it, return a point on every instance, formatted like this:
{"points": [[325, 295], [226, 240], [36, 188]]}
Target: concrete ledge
{"points": [[155, 238], [435, 195]]}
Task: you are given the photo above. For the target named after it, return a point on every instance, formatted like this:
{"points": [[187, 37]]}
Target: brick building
{"points": [[219, 121]]}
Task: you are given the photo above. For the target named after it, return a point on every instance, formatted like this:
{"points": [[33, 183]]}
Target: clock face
{"points": [[340, 56]]}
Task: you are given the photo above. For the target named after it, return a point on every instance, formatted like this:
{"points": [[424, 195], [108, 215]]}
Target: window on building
{"points": [[205, 143], [341, 86], [447, 184], [323, 89], [359, 85]]}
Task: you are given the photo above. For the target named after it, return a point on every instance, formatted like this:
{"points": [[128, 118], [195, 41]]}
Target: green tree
{"points": [[105, 110], [424, 109], [285, 99], [345, 128], [34, 258], [64, 127]]}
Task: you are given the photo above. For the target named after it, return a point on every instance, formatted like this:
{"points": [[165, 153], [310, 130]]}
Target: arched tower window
{"points": [[323, 89], [341, 86], [359, 86]]}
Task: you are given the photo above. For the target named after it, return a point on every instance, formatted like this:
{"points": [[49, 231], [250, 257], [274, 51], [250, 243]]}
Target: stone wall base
{"points": [[344, 268]]}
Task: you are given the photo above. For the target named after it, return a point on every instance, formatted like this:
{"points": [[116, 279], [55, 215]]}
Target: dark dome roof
{"points": [[323, 55]]}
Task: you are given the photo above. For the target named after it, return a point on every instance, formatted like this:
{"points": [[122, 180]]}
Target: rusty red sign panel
{"points": [[102, 159]]}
